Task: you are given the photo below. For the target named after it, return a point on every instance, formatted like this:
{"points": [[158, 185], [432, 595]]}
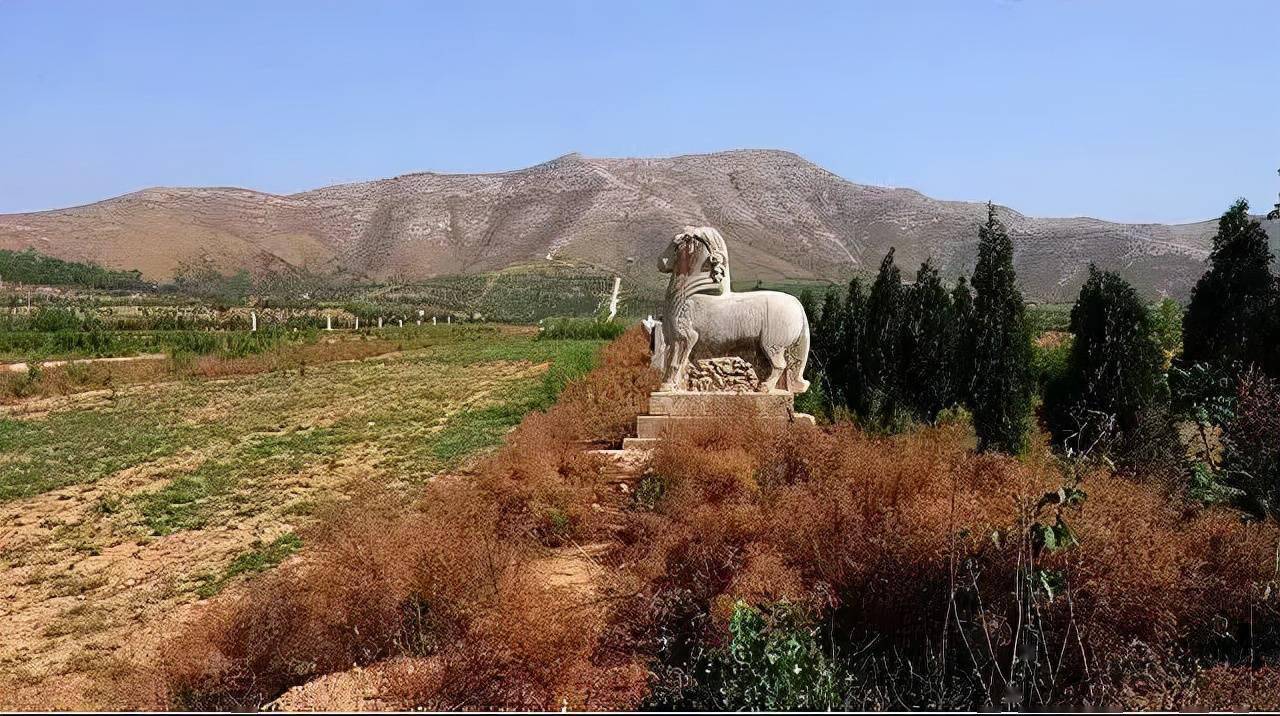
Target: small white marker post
{"points": [[328, 322], [433, 320], [613, 297], [357, 323], [379, 321], [448, 319], [401, 320], [253, 321]]}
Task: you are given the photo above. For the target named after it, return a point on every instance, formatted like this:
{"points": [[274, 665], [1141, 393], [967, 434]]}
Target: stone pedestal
{"points": [[671, 408]]}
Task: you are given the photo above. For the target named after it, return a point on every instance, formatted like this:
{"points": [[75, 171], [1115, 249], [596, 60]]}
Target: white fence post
{"points": [[613, 299]]}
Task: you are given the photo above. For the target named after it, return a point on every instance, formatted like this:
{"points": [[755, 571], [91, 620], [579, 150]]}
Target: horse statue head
{"points": [[698, 260]]}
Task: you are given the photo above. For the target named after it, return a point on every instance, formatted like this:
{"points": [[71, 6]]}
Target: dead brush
{"points": [[945, 577], [374, 583]]}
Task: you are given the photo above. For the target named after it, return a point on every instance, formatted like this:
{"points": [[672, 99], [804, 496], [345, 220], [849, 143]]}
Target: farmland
{"points": [[125, 507]]}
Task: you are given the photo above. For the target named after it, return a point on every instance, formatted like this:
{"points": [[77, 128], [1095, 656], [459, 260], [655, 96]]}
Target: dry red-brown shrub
{"points": [[915, 541], [602, 406], [374, 583]]}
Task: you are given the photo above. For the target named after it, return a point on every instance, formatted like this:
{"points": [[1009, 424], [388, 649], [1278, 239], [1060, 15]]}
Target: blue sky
{"points": [[1125, 110]]}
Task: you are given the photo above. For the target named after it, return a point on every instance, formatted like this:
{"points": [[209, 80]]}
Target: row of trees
{"points": [[32, 267], [896, 352]]}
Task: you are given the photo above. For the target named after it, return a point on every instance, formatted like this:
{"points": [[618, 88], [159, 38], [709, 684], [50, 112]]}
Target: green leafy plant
{"points": [[774, 661]]}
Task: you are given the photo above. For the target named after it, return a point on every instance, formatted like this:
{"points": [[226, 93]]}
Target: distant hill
{"points": [[784, 217]]}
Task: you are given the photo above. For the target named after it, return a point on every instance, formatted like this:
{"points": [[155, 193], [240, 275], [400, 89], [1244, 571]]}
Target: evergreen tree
{"points": [[810, 306], [926, 345], [960, 358], [848, 371], [828, 346], [1227, 318], [881, 342], [1114, 371], [1001, 397]]}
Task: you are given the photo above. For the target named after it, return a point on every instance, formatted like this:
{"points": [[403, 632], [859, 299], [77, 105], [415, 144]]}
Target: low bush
{"points": [[580, 329]]}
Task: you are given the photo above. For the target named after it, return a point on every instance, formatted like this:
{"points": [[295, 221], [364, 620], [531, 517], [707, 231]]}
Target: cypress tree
{"points": [[828, 346], [1001, 397], [881, 342], [849, 373], [1226, 319], [926, 345], [810, 306], [960, 358], [1114, 371]]}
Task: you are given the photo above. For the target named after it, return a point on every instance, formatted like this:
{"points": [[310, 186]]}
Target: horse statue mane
{"points": [[717, 254], [702, 310]]}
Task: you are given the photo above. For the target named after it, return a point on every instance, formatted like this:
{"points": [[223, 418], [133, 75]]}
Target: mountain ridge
{"points": [[784, 217]]}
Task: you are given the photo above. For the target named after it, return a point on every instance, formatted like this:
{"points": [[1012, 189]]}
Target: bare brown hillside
{"points": [[785, 218]]}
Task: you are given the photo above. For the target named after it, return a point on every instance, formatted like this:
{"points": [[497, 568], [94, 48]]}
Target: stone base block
{"points": [[650, 427], [730, 405], [669, 409]]}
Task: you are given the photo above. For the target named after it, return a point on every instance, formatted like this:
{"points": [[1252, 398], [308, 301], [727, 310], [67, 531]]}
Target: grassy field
{"points": [[122, 511]]}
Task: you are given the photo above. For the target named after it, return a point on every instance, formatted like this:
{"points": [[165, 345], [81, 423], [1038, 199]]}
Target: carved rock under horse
{"points": [[703, 317]]}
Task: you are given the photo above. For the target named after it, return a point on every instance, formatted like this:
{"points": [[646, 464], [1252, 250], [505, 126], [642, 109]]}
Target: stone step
{"points": [[639, 443]]}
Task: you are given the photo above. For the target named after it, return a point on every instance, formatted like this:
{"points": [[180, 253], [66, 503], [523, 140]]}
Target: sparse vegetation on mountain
{"points": [[799, 219]]}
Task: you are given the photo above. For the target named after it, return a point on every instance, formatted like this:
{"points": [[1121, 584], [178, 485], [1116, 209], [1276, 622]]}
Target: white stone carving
{"points": [[704, 318]]}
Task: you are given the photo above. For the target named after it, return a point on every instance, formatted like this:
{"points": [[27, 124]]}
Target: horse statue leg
{"points": [[795, 376], [678, 361], [671, 366], [777, 356]]}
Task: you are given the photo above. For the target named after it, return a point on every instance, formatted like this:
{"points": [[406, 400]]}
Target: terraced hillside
{"points": [[785, 218]]}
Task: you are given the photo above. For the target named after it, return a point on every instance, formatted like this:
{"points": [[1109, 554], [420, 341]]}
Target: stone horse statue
{"points": [[701, 311]]}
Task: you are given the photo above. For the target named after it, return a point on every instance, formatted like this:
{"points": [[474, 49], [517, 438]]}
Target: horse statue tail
{"points": [[795, 368]]}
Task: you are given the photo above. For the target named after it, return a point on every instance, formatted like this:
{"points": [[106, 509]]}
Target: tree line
{"points": [[894, 353], [32, 267], [1122, 383]]}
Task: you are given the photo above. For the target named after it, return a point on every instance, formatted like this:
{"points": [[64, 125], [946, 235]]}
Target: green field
{"points": [[168, 492]]}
